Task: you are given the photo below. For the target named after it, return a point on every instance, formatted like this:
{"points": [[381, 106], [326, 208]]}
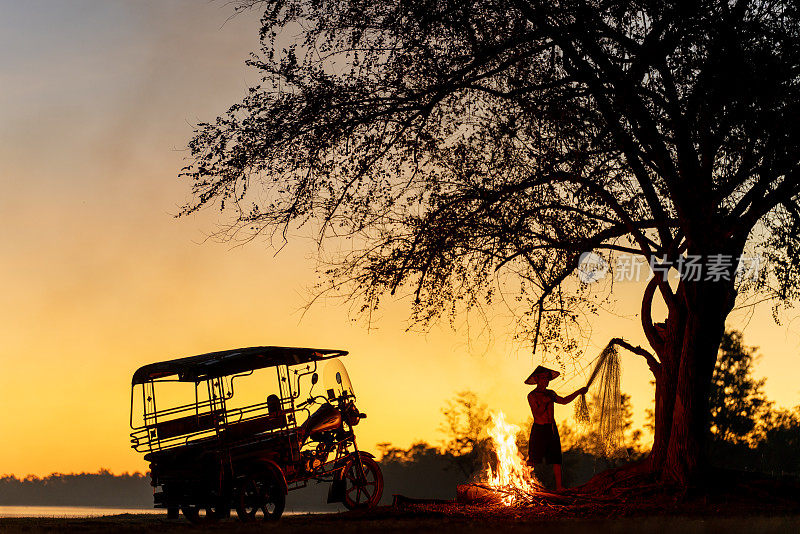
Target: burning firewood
{"points": [[480, 494], [477, 494]]}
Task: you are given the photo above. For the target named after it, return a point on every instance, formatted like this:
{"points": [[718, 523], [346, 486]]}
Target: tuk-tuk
{"points": [[237, 429]]}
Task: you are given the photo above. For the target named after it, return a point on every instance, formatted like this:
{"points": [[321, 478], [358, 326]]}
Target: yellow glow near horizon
{"points": [[98, 278]]}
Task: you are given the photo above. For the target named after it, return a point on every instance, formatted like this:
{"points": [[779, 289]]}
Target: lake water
{"points": [[90, 511], [71, 511]]}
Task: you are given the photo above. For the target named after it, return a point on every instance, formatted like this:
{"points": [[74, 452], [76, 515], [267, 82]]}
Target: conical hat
{"points": [[541, 370]]}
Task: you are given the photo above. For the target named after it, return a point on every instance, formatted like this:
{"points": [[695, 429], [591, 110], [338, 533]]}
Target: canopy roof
{"points": [[228, 362]]}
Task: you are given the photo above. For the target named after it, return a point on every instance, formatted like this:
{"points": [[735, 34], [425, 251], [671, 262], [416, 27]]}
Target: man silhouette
{"points": [[544, 443]]}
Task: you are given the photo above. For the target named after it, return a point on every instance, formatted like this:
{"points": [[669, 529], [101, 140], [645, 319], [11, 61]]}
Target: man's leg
{"points": [[557, 473]]}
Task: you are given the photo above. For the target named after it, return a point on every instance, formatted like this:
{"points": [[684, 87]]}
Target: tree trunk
{"points": [[665, 404], [708, 306], [667, 341], [688, 353]]}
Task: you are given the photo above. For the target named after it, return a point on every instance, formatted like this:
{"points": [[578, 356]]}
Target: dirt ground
{"points": [[621, 501], [618, 501], [443, 520]]}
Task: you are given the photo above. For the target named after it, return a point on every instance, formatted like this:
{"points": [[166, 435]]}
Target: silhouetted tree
{"points": [[466, 442], [466, 420], [458, 149], [738, 403]]}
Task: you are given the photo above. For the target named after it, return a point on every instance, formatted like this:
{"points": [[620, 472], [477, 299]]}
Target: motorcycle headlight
{"points": [[352, 415]]}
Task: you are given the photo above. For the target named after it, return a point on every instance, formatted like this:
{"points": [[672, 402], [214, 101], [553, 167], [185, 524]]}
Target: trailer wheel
{"points": [[196, 513], [260, 498]]}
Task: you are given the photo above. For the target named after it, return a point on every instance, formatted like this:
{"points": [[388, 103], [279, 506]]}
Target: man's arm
{"points": [[569, 398]]}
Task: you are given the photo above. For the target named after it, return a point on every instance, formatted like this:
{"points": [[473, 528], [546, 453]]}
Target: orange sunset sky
{"points": [[97, 101]]}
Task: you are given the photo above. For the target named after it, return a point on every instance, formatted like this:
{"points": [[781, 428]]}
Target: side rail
{"points": [[183, 425], [178, 426]]}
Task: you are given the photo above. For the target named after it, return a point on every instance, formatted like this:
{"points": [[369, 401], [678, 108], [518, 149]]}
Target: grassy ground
{"points": [[390, 521]]}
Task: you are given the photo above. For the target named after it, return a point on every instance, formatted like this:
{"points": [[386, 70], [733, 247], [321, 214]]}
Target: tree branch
{"points": [[652, 362]]}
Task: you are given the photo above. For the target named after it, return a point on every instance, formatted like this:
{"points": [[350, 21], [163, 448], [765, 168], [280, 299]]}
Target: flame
{"points": [[511, 478]]}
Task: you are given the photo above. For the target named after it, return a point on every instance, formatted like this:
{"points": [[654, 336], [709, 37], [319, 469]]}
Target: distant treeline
{"points": [[105, 489], [128, 490], [430, 475]]}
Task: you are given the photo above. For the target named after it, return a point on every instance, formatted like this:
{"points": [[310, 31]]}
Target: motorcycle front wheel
{"points": [[363, 482]]}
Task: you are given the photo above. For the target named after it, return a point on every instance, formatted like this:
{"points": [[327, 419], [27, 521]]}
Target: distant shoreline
{"points": [[78, 512]]}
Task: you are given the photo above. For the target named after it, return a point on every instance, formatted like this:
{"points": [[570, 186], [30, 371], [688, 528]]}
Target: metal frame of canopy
{"points": [[228, 362]]}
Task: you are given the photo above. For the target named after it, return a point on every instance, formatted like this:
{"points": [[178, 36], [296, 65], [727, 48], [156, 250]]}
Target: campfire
{"points": [[509, 481], [511, 477]]}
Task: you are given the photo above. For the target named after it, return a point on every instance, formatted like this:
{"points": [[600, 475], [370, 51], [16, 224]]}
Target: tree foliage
{"points": [[456, 142]]}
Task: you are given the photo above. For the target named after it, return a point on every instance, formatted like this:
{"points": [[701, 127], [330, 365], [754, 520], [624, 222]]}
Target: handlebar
{"points": [[311, 400]]}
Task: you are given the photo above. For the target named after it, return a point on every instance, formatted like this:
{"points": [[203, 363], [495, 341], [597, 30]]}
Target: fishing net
{"points": [[603, 418]]}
